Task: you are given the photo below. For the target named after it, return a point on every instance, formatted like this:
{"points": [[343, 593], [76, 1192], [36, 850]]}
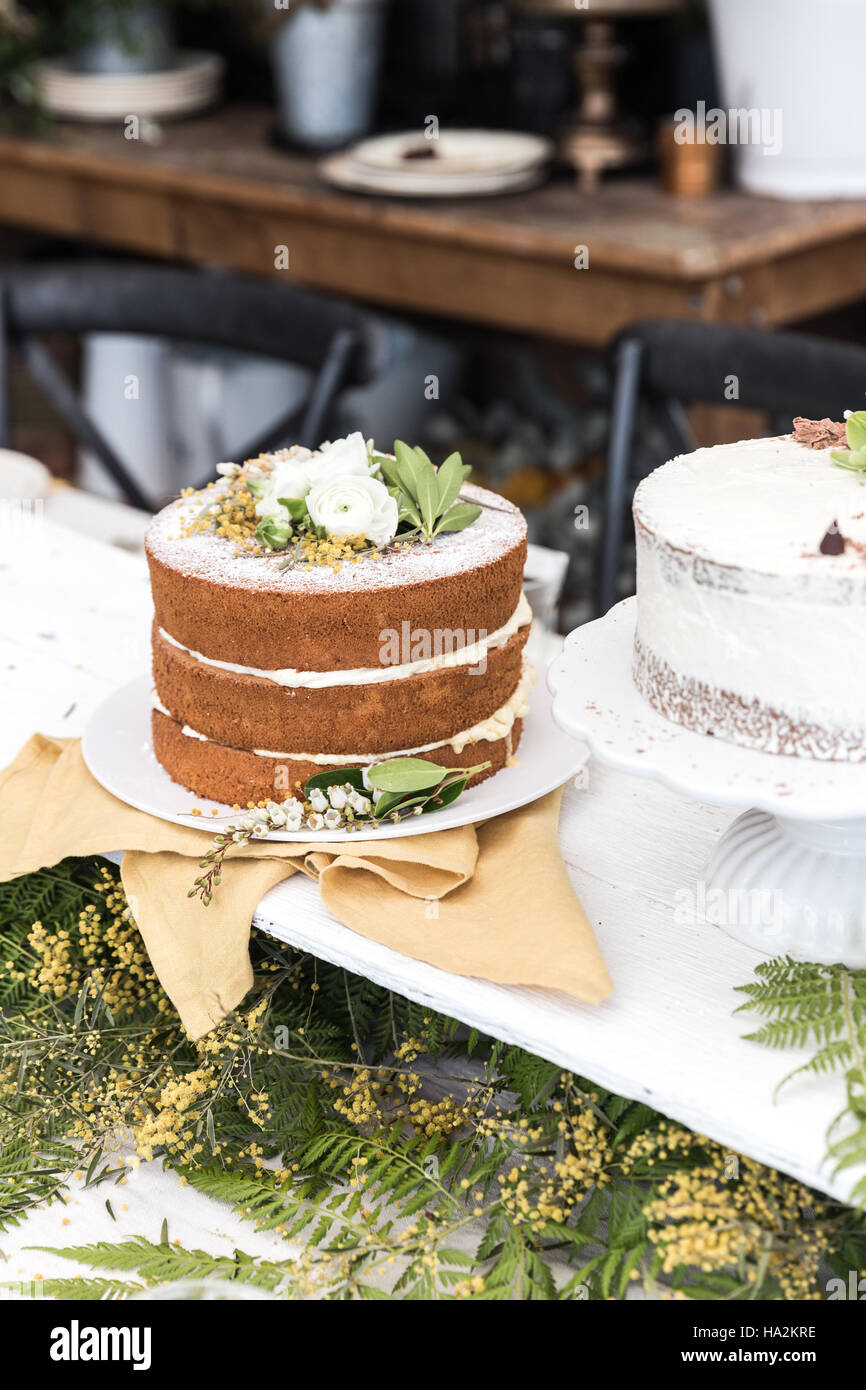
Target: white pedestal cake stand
{"points": [[789, 875]]}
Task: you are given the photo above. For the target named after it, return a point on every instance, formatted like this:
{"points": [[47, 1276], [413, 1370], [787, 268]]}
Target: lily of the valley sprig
{"points": [[353, 799]]}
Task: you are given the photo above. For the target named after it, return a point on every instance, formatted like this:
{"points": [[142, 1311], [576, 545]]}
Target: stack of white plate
{"points": [[193, 83], [458, 163]]}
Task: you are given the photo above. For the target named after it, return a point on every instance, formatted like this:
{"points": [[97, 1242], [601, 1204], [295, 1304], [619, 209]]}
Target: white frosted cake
{"points": [[751, 593]]}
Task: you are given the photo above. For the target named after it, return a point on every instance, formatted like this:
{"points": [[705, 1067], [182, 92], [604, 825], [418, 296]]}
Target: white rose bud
{"points": [[354, 506], [318, 800]]}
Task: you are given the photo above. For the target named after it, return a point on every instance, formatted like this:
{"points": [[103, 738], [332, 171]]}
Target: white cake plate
{"points": [[118, 751], [789, 875]]}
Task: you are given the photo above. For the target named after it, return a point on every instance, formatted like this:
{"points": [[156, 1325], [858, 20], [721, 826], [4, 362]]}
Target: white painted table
{"points": [[74, 623]]}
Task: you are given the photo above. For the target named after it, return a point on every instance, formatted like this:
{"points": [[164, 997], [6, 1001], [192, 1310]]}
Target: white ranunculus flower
{"points": [[293, 477], [354, 506], [288, 478], [349, 457]]}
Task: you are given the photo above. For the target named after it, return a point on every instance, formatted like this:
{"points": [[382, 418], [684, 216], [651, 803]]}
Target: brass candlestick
{"points": [[600, 137]]}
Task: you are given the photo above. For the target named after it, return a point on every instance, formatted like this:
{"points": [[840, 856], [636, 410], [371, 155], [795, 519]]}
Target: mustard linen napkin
{"points": [[492, 901]]}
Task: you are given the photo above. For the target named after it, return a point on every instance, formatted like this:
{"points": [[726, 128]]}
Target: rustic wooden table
{"points": [[216, 191]]}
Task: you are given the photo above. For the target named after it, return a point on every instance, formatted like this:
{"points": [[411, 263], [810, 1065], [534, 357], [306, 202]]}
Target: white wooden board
{"points": [[74, 622]]}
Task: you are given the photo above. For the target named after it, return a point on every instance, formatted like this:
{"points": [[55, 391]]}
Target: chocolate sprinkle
{"points": [[833, 542], [820, 434]]}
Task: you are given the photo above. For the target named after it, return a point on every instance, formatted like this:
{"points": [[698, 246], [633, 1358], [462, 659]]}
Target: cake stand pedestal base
{"points": [[788, 876], [792, 886]]}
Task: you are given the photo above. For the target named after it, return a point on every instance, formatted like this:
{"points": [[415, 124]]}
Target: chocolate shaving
{"points": [[833, 542], [820, 434], [427, 151]]}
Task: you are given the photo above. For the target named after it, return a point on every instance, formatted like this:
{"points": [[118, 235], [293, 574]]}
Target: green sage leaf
{"points": [[426, 489], [449, 479], [390, 470], [856, 430], [395, 801], [405, 775], [461, 515], [445, 795], [407, 511], [853, 460], [406, 469]]}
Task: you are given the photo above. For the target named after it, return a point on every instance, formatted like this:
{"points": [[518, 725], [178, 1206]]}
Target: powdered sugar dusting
{"points": [[498, 530]]}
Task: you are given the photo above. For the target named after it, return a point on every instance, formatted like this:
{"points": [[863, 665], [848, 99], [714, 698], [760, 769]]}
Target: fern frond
{"points": [[825, 1006], [164, 1263], [83, 1290]]}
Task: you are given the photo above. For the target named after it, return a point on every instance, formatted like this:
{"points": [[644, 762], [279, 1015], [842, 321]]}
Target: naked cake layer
{"points": [[249, 712], [255, 612], [235, 776]]}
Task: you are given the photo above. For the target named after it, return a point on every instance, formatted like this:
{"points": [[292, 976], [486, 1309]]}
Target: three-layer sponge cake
{"points": [[264, 670]]}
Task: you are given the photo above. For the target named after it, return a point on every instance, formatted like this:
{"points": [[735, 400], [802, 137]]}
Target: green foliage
{"points": [[427, 496], [84, 1290], [274, 533], [854, 457], [820, 1006], [165, 1263], [395, 1152]]}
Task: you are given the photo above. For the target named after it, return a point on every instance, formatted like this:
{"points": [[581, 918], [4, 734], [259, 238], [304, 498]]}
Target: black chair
{"points": [[661, 365], [341, 346]]}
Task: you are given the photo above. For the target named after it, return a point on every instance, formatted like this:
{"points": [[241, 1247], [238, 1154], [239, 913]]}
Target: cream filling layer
{"points": [[470, 654], [494, 727]]}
